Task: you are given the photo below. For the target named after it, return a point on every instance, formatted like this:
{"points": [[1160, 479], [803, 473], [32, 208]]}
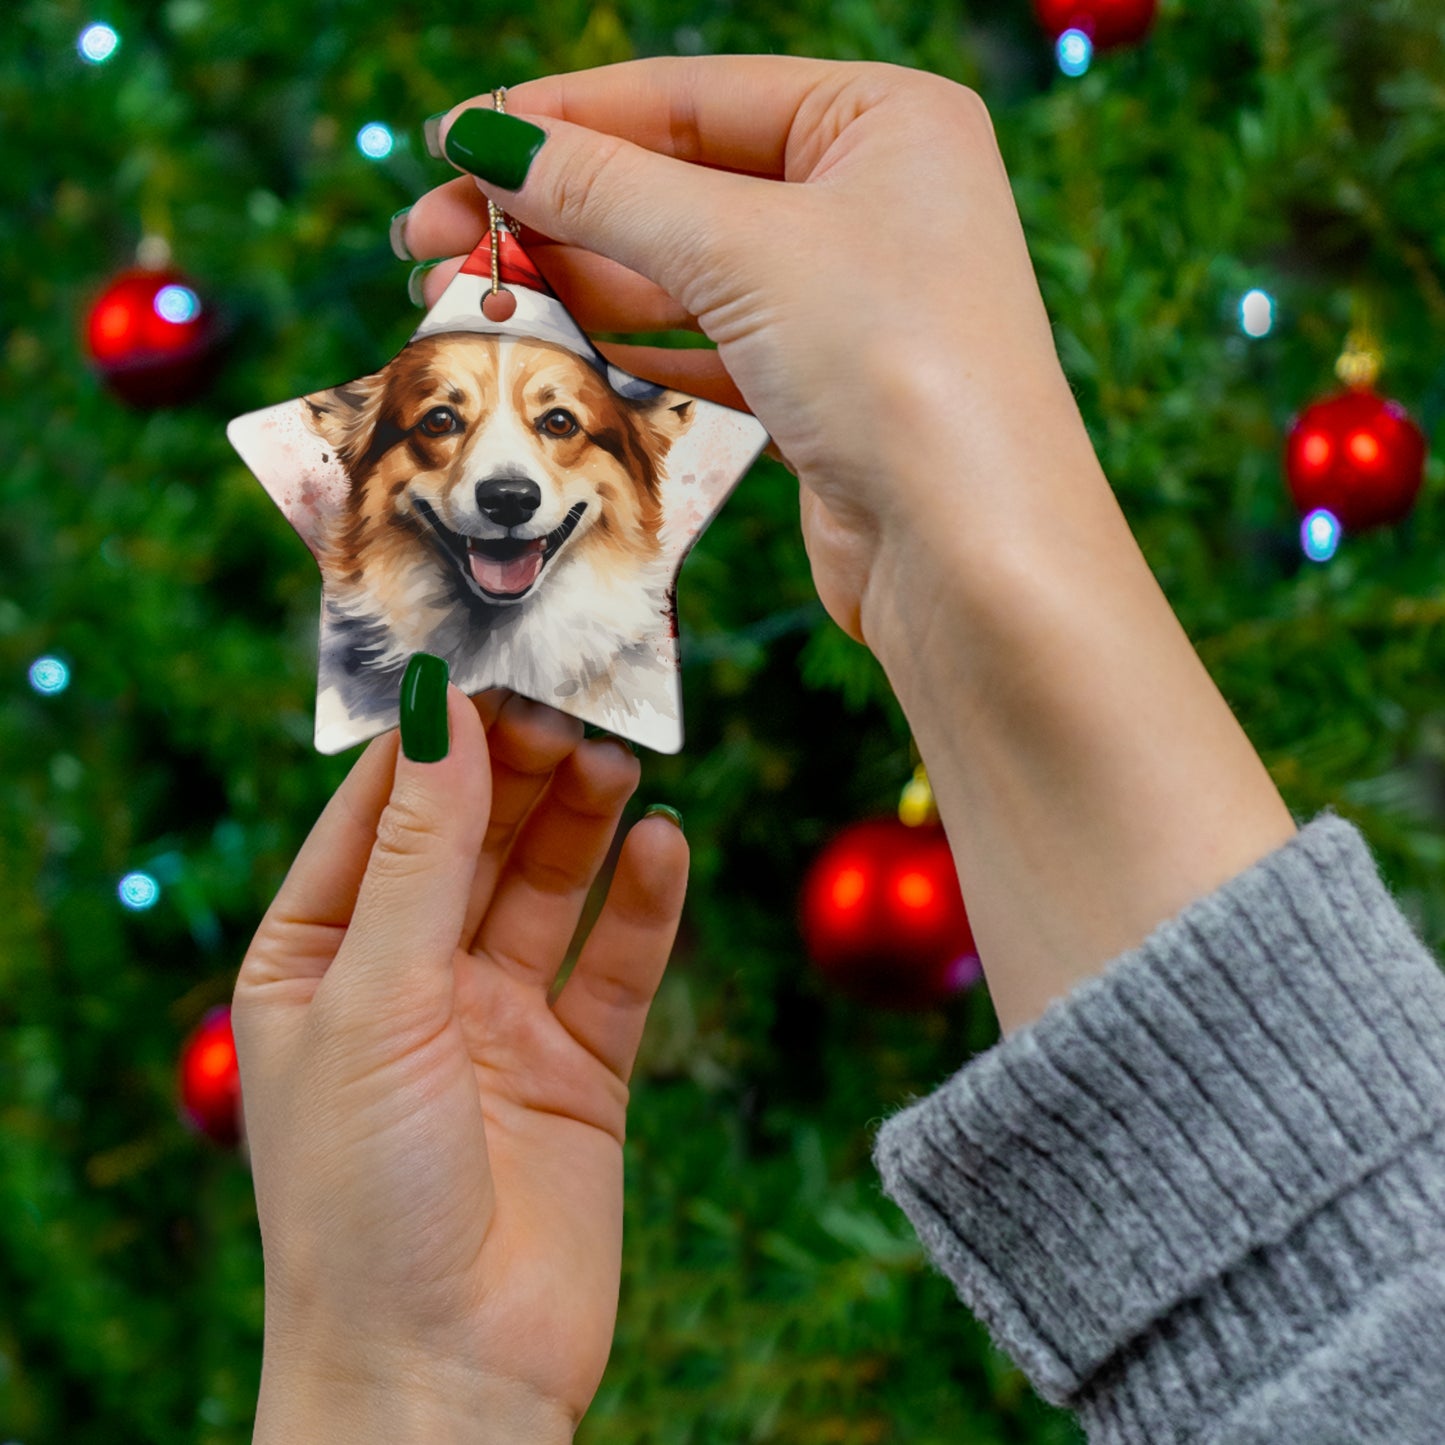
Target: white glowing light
{"points": [[49, 675], [177, 304], [1320, 535], [138, 891], [1075, 52], [375, 140], [1256, 313], [97, 43]]}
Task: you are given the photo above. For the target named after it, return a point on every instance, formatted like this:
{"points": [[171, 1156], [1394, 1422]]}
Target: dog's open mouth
{"points": [[507, 568]]}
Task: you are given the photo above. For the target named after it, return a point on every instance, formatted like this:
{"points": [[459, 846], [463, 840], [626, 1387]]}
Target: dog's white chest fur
{"points": [[585, 637]]}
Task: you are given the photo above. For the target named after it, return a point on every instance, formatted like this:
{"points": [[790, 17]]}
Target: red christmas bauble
{"points": [[883, 916], [152, 338], [210, 1080], [1357, 455], [1107, 23]]}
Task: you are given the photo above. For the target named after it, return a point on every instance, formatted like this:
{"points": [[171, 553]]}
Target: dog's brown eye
{"points": [[439, 421], [558, 423]]}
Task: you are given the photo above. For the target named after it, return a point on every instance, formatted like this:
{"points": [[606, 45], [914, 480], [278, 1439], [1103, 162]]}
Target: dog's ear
{"points": [[667, 417], [346, 416]]}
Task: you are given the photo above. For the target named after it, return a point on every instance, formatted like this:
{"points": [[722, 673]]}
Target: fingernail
{"points": [[414, 283], [671, 814], [424, 734], [431, 133], [592, 731], [498, 148], [398, 235]]}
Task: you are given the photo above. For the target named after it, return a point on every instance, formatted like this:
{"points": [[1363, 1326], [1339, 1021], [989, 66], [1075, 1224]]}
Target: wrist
{"points": [[406, 1400], [988, 468], [982, 515]]}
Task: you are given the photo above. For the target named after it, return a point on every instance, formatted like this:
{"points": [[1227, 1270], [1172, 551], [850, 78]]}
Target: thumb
{"points": [[396, 960], [670, 221]]}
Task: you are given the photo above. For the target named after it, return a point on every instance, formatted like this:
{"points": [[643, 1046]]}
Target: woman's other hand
{"points": [[437, 1147]]}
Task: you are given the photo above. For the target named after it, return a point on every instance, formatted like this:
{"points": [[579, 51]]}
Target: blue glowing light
{"points": [[138, 891], [1256, 313], [177, 304], [97, 44], [375, 140], [1075, 52], [49, 675], [1320, 535]]}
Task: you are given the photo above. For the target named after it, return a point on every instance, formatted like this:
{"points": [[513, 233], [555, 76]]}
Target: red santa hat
{"points": [[539, 315]]}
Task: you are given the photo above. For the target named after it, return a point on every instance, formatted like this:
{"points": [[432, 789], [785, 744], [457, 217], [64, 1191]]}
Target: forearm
{"points": [[1092, 779]]}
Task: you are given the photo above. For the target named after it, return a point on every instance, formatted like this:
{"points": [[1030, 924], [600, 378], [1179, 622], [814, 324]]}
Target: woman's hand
{"points": [[879, 314], [437, 1148], [848, 237]]}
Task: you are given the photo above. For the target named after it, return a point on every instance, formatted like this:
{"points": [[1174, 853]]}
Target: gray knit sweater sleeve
{"points": [[1202, 1199]]}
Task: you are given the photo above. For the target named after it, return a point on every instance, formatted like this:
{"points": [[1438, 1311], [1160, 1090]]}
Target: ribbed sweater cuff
{"points": [[1182, 1120]]}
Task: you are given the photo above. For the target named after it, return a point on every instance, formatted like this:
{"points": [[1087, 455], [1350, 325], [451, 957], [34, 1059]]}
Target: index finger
{"points": [[735, 112]]}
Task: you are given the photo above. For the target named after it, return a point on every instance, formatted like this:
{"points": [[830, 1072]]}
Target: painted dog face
{"points": [[496, 458]]}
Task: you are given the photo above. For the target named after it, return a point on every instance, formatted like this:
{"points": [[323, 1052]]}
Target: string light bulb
{"points": [[375, 141], [97, 43]]}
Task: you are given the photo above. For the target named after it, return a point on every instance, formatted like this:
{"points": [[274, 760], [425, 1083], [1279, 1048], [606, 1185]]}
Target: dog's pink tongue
{"points": [[506, 579]]}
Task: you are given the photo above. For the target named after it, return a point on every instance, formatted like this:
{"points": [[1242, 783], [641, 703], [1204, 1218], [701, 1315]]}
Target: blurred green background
{"points": [[770, 1292]]}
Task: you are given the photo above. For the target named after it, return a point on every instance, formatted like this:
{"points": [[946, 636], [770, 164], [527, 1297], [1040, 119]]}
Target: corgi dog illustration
{"points": [[504, 511]]}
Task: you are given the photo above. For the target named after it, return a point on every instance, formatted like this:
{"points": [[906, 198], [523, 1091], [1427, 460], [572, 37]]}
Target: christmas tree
{"points": [[158, 634]]}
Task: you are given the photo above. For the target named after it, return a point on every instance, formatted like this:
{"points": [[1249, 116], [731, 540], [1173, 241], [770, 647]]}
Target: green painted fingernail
{"points": [[414, 291], [592, 731], [671, 814], [498, 148], [397, 235], [431, 133], [425, 737]]}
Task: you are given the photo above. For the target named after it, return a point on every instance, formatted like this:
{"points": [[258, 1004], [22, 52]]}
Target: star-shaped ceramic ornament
{"points": [[502, 496]]}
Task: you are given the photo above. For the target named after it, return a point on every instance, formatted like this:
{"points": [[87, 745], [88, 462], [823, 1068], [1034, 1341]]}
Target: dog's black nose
{"points": [[509, 501]]}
